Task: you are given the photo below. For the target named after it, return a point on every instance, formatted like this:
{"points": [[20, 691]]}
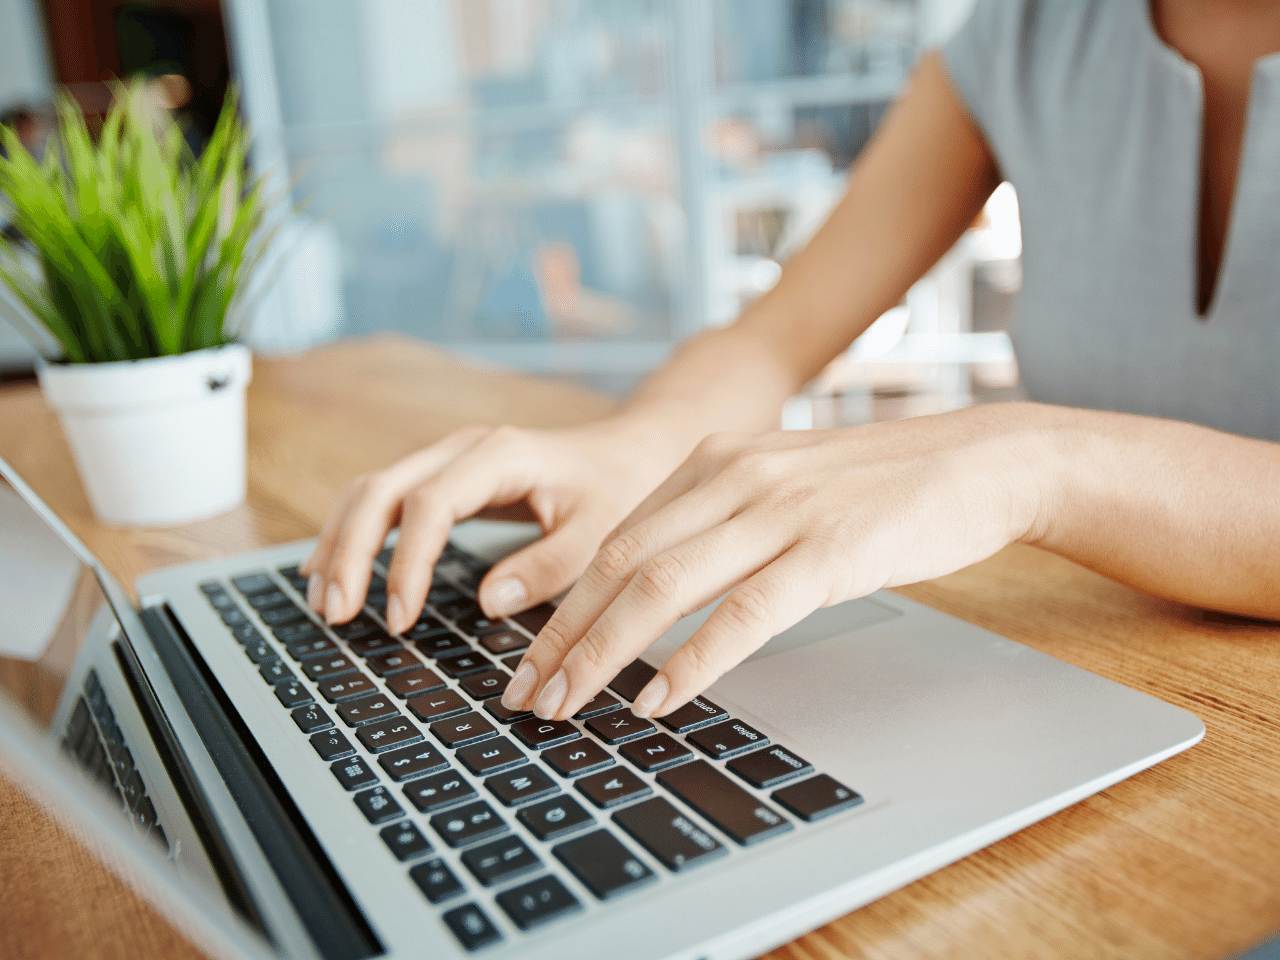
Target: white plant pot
{"points": [[158, 442]]}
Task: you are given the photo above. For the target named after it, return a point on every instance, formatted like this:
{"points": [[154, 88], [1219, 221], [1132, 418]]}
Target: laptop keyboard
{"points": [[477, 799]]}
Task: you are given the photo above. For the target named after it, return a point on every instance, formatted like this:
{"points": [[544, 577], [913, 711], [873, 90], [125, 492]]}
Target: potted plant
{"points": [[134, 258]]}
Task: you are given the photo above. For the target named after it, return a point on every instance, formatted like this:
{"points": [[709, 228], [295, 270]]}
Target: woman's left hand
{"points": [[784, 523]]}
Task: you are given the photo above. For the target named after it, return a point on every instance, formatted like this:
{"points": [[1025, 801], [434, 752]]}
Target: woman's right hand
{"points": [[577, 483]]}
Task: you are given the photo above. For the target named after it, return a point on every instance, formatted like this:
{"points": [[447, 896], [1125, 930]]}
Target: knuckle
{"points": [[618, 558], [553, 636], [592, 652], [662, 578], [747, 608], [716, 446]]}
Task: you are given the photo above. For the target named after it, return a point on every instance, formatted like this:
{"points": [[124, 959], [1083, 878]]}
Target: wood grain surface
{"points": [[1181, 861]]}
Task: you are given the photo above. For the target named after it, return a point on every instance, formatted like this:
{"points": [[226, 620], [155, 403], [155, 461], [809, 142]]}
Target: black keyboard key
{"points": [[434, 879], [576, 758], [668, 834], [513, 663], [727, 739], [462, 731], [374, 643], [459, 607], [817, 797], [273, 671], [535, 618], [259, 650], [437, 792], [144, 815], [521, 785], [388, 734], [278, 616], [322, 668], [270, 601], [345, 687], [378, 806], [500, 860], [361, 626], [375, 706], [698, 712], [331, 745], [251, 583], [724, 803], [655, 753], [466, 663], [603, 864], [79, 724], [293, 694], [436, 706], [537, 902], [384, 555], [538, 734], [313, 645], [409, 762], [476, 821], [612, 787], [425, 626], [133, 789], [291, 574], [441, 644], [619, 727], [476, 624], [415, 681], [246, 633], [354, 773], [599, 704], [490, 756], [393, 661], [633, 678], [504, 641], [472, 928], [769, 767], [485, 685], [311, 718], [555, 818], [210, 587], [293, 632], [500, 713], [405, 840], [232, 616]]}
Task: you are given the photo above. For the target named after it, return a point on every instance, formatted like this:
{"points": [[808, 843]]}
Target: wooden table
{"points": [[1180, 861]]}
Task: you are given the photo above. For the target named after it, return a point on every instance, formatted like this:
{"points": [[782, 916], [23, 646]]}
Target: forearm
{"points": [[1170, 508]]}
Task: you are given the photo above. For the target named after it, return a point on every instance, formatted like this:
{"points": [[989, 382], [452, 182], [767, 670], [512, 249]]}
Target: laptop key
{"points": [[374, 643], [603, 864], [210, 587], [331, 745], [483, 686], [490, 756], [513, 663], [474, 822], [460, 666], [361, 626], [354, 773], [388, 734], [476, 624], [817, 797], [576, 758], [378, 806], [540, 901], [439, 791], [434, 879], [232, 616], [292, 632], [253, 583], [727, 739], [698, 712], [441, 643], [555, 818], [409, 762], [345, 687], [724, 803], [521, 785], [655, 753], [269, 599], [500, 860], [456, 608], [535, 618], [312, 645], [769, 767], [295, 579], [632, 679], [293, 694], [375, 706], [311, 718], [539, 734], [600, 703], [259, 650], [246, 633], [619, 727], [405, 840], [393, 661], [277, 616], [668, 834], [417, 680], [437, 706], [500, 713], [504, 641], [322, 668], [612, 787], [462, 731], [273, 671], [472, 928]]}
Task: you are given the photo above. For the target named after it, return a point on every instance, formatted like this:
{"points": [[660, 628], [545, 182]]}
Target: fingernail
{"points": [[504, 597], [315, 587], [332, 602], [552, 695], [520, 687], [395, 615], [651, 697]]}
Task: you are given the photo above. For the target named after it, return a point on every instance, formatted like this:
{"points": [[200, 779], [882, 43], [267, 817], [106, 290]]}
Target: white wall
{"points": [[939, 19], [24, 62]]}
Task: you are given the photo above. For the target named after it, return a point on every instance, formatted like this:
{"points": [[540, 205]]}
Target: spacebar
{"points": [[723, 802]]}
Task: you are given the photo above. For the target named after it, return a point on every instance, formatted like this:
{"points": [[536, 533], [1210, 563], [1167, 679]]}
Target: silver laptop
{"points": [[282, 789]]}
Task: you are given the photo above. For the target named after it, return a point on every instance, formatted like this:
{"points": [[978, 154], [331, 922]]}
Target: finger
{"points": [[779, 596], [543, 569], [323, 551], [373, 511], [673, 584], [680, 482]]}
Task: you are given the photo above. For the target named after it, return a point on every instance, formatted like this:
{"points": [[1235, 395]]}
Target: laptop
{"points": [[283, 789]]}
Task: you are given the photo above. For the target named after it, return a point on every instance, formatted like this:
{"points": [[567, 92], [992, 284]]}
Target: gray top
{"points": [[1097, 123]]}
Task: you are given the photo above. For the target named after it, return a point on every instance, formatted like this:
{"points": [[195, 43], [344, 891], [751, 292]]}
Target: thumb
{"points": [[544, 569]]}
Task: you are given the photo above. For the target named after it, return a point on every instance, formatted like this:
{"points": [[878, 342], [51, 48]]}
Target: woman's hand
{"points": [[788, 522], [577, 483]]}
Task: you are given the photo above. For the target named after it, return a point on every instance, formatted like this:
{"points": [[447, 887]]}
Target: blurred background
{"points": [[569, 187]]}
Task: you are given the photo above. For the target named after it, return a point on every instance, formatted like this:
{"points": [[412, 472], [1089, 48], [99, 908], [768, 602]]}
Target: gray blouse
{"points": [[1098, 124]]}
